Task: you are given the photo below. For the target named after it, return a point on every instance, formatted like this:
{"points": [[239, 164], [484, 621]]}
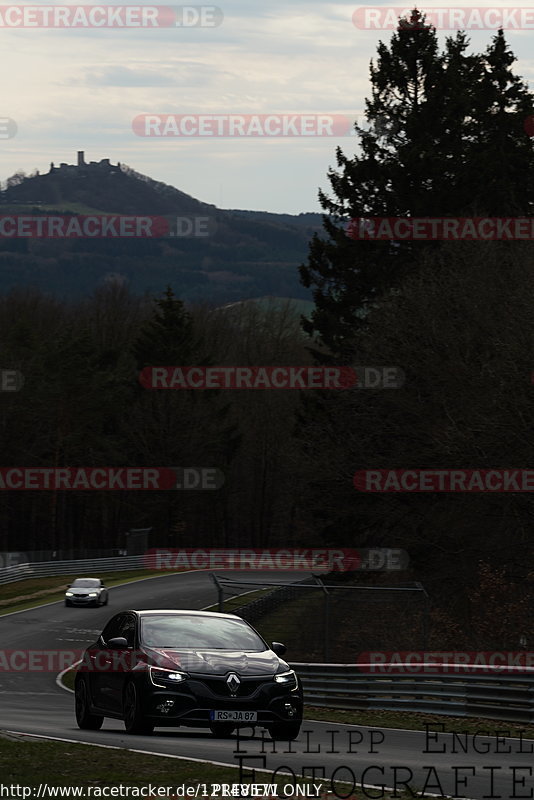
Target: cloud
{"points": [[182, 74]]}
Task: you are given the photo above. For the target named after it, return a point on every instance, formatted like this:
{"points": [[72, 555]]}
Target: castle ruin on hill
{"points": [[82, 166]]}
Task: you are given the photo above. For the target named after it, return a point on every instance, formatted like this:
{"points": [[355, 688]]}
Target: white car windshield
{"points": [[86, 583]]}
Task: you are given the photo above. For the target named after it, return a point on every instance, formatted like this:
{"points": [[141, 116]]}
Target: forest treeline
{"points": [[82, 404]]}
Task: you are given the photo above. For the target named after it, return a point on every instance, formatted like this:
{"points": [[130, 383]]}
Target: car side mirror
{"points": [[278, 648], [118, 643], [69, 585]]}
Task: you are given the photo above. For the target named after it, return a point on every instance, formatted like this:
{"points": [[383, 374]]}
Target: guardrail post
{"points": [[326, 617], [220, 592], [327, 626], [426, 614]]}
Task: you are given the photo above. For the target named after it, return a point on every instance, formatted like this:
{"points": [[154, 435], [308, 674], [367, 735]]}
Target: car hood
{"points": [[218, 662], [83, 589]]}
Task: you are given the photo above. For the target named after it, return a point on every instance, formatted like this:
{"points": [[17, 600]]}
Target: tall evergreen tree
{"points": [[500, 166], [455, 145], [167, 338]]}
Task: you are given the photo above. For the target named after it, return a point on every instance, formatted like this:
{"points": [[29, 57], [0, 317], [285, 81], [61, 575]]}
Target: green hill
{"points": [[248, 254]]}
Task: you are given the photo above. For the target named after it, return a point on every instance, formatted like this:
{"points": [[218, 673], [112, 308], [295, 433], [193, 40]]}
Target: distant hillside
{"points": [[305, 220], [275, 303], [250, 254]]}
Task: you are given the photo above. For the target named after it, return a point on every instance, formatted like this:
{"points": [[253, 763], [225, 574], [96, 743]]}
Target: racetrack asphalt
{"points": [[32, 703]]}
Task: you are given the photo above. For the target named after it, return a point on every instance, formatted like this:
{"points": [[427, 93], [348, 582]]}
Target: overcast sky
{"points": [[72, 90]]}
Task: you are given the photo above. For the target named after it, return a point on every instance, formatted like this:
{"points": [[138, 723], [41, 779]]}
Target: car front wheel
{"points": [[84, 718], [134, 721]]}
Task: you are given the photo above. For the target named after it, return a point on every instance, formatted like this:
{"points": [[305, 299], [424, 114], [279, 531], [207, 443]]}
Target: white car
{"points": [[86, 592]]}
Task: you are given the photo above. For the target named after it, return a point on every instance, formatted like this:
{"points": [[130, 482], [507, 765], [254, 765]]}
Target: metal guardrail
{"points": [[487, 694], [41, 569], [11, 558], [280, 593], [81, 566]]}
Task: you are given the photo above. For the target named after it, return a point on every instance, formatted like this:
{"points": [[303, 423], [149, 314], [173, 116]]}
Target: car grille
{"points": [[245, 689]]}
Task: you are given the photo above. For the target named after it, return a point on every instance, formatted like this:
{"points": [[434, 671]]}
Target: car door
{"points": [[123, 662], [100, 663]]}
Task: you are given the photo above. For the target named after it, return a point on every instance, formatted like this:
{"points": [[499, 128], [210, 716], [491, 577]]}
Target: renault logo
{"points": [[233, 683]]}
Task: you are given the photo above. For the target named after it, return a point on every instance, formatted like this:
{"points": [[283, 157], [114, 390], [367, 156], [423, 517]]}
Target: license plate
{"points": [[234, 716]]}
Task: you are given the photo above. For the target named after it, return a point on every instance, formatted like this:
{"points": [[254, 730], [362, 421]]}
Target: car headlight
{"points": [[167, 677], [93, 594], [69, 594], [287, 679]]}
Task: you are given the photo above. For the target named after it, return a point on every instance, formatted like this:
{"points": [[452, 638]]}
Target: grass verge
{"points": [[414, 721], [296, 622], [239, 600], [32, 762]]}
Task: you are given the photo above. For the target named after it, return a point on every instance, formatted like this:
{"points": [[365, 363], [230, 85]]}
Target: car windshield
{"points": [[199, 633], [86, 583]]}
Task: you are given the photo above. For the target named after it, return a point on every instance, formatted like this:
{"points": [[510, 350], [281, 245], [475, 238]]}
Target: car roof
{"points": [[181, 613], [86, 578]]}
